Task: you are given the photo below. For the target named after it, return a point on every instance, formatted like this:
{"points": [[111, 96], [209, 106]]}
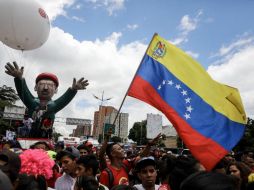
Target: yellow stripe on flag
{"points": [[224, 99]]}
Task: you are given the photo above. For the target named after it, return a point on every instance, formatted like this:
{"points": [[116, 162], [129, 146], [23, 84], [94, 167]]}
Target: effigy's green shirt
{"points": [[33, 103]]}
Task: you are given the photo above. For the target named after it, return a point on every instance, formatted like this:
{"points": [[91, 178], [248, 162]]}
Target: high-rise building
{"points": [[99, 119], [121, 124], [107, 114]]}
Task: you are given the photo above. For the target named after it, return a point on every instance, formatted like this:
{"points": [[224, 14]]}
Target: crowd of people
{"points": [[85, 167]]}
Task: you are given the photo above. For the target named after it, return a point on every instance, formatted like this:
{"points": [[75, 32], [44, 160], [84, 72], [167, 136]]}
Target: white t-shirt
{"points": [[65, 182]]}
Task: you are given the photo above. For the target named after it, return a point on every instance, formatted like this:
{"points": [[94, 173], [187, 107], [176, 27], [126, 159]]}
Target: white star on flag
{"points": [[187, 100], [189, 109], [159, 87], [163, 82], [184, 92], [178, 86], [170, 82], [187, 116]]}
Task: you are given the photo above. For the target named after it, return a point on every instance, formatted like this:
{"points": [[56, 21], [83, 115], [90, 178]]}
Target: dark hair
{"points": [[64, 153], [123, 187], [183, 167], [209, 181], [244, 171], [165, 166], [60, 144], [40, 142], [82, 146], [30, 182], [109, 149], [89, 161], [87, 182]]}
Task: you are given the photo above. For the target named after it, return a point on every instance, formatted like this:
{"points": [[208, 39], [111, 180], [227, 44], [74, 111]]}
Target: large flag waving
{"points": [[208, 116]]}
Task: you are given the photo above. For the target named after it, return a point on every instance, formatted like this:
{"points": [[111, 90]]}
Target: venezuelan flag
{"points": [[207, 115]]}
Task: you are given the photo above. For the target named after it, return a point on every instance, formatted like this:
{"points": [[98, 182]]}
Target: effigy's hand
{"points": [[80, 84], [14, 70]]}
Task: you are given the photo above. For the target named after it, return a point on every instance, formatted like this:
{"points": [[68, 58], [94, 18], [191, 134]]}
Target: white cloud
{"points": [[187, 25], [229, 50], [193, 54], [132, 27], [77, 7], [78, 19], [106, 66], [238, 71], [110, 5]]}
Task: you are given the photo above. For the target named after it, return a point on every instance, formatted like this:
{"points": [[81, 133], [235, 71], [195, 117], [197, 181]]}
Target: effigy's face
{"points": [[45, 89]]}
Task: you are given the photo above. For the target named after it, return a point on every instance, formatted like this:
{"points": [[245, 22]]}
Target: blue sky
{"points": [[214, 22], [104, 41]]}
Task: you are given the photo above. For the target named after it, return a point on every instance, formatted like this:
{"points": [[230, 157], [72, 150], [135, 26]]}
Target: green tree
{"points": [[138, 133], [8, 97], [247, 141]]}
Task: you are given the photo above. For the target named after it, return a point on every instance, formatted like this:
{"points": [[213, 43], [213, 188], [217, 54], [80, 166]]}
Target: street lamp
{"points": [[102, 100]]}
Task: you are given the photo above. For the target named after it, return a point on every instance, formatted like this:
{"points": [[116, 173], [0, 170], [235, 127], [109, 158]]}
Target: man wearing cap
{"points": [[147, 173], [43, 108]]}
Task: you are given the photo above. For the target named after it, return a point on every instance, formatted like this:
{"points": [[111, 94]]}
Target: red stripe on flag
{"points": [[204, 149]]}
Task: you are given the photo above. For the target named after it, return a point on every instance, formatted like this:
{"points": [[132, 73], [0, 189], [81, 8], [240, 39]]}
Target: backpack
{"points": [[111, 176]]}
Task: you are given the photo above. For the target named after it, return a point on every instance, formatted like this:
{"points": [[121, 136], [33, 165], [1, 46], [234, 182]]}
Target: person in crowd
{"points": [[89, 146], [59, 146], [184, 166], [123, 187], [147, 173], [5, 182], [67, 158], [209, 181], [248, 159], [40, 145], [241, 171], [83, 150], [42, 109], [117, 172], [10, 164], [37, 163], [229, 158], [165, 165], [220, 167], [87, 183], [31, 182], [88, 166], [24, 130]]}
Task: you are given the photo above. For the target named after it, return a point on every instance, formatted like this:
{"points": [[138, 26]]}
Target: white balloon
{"points": [[24, 25]]}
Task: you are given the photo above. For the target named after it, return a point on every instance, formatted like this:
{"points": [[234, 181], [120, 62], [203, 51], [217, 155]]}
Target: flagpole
{"points": [[133, 80]]}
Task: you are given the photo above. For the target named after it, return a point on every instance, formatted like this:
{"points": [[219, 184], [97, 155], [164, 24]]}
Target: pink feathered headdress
{"points": [[36, 162]]}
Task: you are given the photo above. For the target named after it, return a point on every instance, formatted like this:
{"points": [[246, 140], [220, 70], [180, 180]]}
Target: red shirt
{"points": [[120, 176]]}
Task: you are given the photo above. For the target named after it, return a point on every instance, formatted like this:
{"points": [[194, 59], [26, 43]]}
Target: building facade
{"points": [[99, 119], [82, 130], [107, 115]]}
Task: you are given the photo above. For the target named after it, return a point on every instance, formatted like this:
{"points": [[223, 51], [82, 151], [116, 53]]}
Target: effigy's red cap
{"points": [[49, 76]]}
